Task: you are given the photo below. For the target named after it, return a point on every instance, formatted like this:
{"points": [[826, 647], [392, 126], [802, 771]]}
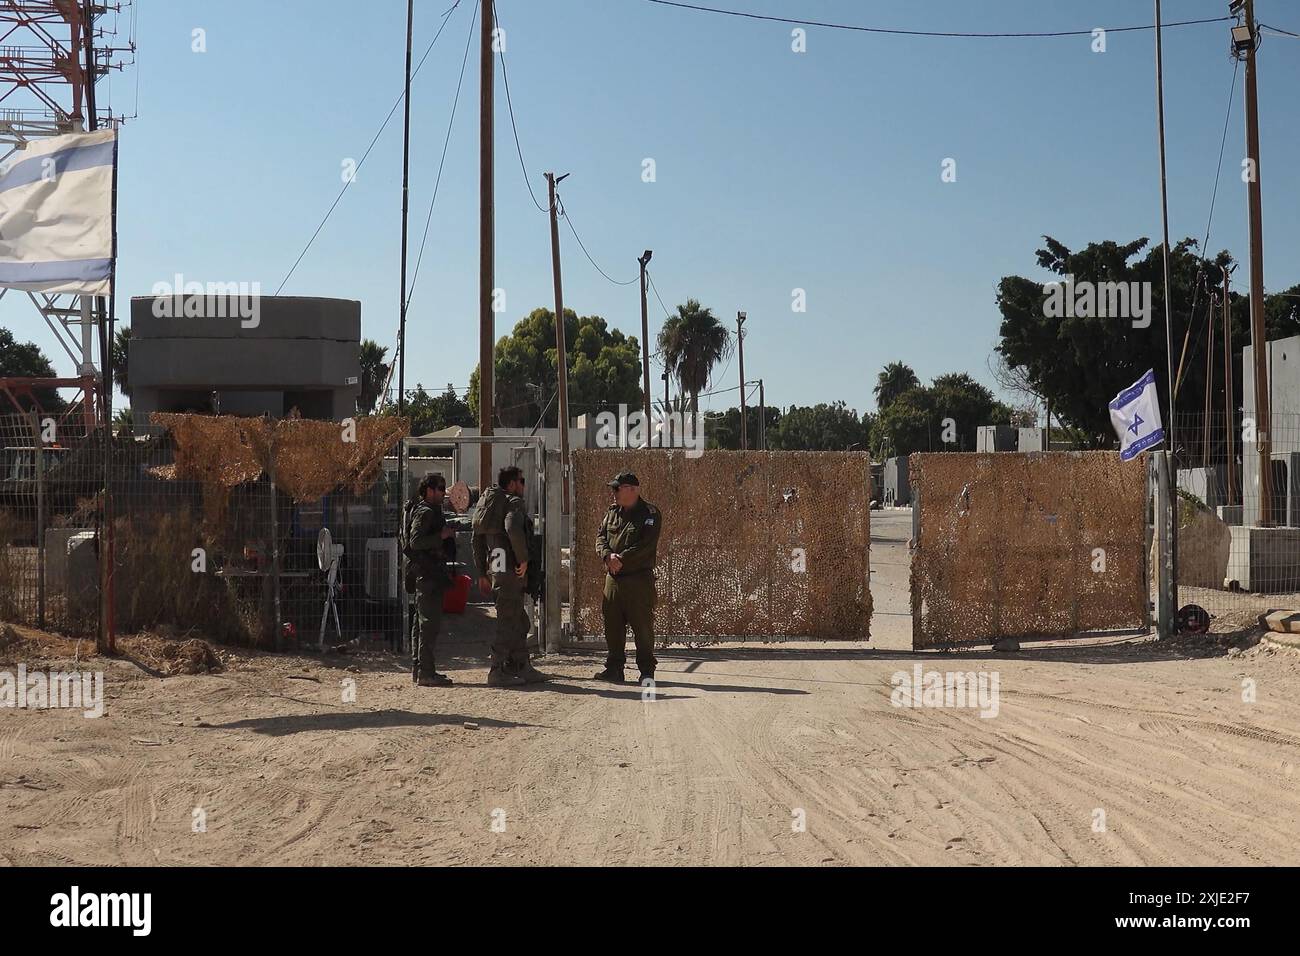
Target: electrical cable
{"points": [[352, 178], [925, 33]]}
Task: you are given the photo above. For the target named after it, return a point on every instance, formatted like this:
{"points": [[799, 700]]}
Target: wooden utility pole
{"points": [[487, 245], [740, 345], [1259, 345], [645, 346], [1172, 471], [561, 355], [1230, 423]]}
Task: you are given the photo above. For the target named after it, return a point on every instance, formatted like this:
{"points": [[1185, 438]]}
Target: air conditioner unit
{"points": [[381, 568]]}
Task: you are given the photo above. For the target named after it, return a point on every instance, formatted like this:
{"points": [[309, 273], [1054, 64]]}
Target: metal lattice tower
{"points": [[53, 53]]}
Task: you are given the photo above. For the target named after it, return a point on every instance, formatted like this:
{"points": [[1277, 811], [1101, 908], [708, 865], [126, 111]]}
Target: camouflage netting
{"points": [[754, 544], [1008, 544], [311, 458]]}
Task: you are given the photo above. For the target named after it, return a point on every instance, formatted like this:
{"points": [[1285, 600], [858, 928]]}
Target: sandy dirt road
{"points": [[1102, 752]]}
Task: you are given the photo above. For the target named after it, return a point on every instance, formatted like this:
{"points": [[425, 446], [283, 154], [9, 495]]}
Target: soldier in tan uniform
{"points": [[627, 543]]}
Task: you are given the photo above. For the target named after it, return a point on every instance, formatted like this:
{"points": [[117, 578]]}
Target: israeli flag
{"points": [[56, 214], [1135, 414]]}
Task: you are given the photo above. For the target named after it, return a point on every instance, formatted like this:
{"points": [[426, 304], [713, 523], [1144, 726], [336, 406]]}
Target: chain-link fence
{"points": [[245, 531], [1238, 546], [1027, 545]]}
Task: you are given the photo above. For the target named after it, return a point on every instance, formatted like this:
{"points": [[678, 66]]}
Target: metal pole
{"points": [[762, 421], [275, 543], [107, 622], [1230, 422], [1263, 409], [740, 345], [1169, 332], [38, 449], [487, 244], [561, 353], [401, 325], [645, 347]]}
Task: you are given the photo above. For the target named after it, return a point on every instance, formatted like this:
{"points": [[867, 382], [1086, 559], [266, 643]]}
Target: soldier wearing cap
{"points": [[627, 542]]}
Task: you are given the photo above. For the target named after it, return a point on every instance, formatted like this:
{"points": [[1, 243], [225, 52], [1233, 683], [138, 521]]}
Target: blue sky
{"points": [[775, 170]]}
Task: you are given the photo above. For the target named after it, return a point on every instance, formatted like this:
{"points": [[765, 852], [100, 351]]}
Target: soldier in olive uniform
{"points": [[626, 543], [502, 530], [430, 542]]}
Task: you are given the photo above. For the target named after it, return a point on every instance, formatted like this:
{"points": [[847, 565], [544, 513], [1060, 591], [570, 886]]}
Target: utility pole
{"points": [[645, 346], [762, 418], [740, 345], [666, 435], [406, 191], [1244, 42], [1229, 418], [486, 244], [561, 355], [1172, 471]]}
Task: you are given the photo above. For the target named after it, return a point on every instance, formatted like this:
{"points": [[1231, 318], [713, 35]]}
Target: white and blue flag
{"points": [[56, 214], [1135, 413]]}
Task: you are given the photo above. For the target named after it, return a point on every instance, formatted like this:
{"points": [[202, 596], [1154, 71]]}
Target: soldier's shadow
{"points": [[633, 691]]}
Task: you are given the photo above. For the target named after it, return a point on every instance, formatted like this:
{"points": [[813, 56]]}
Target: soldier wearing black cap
{"points": [[626, 543]]}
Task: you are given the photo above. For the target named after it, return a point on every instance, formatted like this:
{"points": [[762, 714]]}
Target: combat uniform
{"points": [[500, 545], [630, 595], [428, 553]]}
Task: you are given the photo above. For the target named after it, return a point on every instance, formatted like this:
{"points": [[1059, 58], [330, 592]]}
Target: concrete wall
{"points": [[898, 489], [1283, 359], [996, 438], [293, 352]]}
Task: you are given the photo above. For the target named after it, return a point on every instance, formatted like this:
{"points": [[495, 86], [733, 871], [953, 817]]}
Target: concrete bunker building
{"points": [[245, 355]]}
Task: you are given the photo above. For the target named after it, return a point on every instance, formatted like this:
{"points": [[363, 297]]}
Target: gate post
{"points": [[1164, 548], [552, 526]]}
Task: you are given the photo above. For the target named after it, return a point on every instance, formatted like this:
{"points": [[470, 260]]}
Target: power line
{"points": [[1205, 248], [511, 107], [410, 294], [565, 213], [350, 179], [1272, 29], [924, 33], [650, 279]]}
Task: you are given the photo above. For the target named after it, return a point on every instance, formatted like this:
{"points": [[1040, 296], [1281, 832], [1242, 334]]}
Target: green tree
{"points": [[895, 379], [722, 429], [374, 372], [123, 421], [1079, 364], [905, 425], [822, 427], [26, 360], [959, 400], [604, 369], [429, 413], [121, 359], [692, 342]]}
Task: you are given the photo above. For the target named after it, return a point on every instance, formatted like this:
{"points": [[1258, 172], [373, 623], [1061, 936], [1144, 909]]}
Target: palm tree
{"points": [[895, 379], [121, 351], [374, 371], [692, 342]]}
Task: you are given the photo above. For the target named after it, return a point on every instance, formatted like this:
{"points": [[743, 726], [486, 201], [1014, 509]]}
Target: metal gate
{"points": [[541, 467], [755, 545], [1036, 545]]}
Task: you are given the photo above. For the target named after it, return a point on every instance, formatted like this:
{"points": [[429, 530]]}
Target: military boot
{"points": [[500, 677]]}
